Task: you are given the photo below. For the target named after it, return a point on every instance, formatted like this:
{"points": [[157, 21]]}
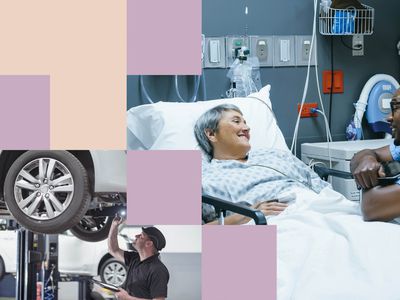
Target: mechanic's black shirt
{"points": [[146, 279]]}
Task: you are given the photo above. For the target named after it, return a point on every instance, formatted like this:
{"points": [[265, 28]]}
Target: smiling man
{"points": [[379, 203], [147, 276]]}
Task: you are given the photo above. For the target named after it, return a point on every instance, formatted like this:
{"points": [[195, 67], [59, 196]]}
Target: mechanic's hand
{"points": [[122, 294], [269, 208], [118, 220], [367, 172]]}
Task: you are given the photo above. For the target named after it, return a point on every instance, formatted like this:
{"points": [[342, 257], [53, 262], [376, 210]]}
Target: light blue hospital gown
{"points": [[265, 174]]}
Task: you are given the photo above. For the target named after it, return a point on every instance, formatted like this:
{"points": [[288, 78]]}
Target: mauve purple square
{"points": [[164, 187], [239, 262], [25, 112], [164, 37]]}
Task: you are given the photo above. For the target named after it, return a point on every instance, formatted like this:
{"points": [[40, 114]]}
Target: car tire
{"points": [[2, 268], [94, 230], [113, 272], [47, 191]]}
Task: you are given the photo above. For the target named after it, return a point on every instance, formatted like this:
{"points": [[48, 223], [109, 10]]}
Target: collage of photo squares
{"points": [[150, 153]]}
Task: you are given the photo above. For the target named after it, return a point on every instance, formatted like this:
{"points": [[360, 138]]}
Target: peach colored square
{"points": [[82, 46]]}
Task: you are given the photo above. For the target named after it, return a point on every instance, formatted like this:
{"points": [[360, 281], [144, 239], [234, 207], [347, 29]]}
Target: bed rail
{"points": [[221, 206]]}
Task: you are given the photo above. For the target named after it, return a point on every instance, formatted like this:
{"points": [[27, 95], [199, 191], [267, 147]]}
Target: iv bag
{"points": [[240, 74]]}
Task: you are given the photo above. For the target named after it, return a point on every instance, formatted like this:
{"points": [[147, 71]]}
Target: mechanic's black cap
{"points": [[156, 236]]}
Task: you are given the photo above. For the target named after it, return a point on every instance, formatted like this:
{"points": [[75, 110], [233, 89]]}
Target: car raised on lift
{"points": [[52, 191], [73, 258]]}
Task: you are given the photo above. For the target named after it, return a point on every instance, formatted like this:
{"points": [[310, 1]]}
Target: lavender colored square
{"points": [[25, 112], [164, 37], [164, 187], [239, 262]]}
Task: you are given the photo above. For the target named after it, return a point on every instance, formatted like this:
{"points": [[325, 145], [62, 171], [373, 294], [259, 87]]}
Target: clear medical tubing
{"points": [[198, 80], [144, 91], [293, 147], [193, 98]]}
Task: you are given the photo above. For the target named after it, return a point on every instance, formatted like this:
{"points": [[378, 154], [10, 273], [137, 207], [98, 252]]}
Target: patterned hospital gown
{"points": [[265, 174]]}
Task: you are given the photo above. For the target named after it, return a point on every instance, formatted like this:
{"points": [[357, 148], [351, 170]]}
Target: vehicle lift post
{"points": [[37, 261]]}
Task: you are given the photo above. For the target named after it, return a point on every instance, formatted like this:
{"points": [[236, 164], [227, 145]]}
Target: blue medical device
{"points": [[375, 98], [378, 107]]}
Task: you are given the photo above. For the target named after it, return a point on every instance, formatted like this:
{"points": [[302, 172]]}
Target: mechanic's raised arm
{"points": [[381, 203], [366, 166], [113, 247]]}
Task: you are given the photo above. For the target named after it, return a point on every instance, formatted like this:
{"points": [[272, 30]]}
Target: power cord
{"points": [[349, 47]]}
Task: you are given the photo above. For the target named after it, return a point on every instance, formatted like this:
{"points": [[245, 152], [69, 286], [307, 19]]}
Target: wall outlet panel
{"points": [[303, 50], [262, 47], [233, 42], [338, 86], [214, 54], [306, 111], [358, 43], [284, 51]]}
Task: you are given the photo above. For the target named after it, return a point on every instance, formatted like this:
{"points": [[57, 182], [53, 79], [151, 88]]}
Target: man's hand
{"points": [[367, 171], [117, 221], [123, 295], [269, 208]]}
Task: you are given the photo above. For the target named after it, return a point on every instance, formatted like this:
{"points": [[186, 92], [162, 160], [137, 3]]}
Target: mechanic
{"points": [[147, 276]]}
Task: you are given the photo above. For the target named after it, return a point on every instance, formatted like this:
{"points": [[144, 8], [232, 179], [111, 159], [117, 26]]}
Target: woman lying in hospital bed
{"points": [[325, 249]]}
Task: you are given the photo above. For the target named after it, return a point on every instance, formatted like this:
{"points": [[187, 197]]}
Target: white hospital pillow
{"points": [[169, 125]]}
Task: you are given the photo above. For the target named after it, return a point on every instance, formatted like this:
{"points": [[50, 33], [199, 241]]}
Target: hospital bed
{"points": [[169, 126], [325, 249]]}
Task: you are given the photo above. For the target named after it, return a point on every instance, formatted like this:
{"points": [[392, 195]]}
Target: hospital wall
{"points": [[287, 17]]}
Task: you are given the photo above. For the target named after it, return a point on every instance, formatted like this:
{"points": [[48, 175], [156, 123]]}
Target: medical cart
{"points": [[341, 154]]}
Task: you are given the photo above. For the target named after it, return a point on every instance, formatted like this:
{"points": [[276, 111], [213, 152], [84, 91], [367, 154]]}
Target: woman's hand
{"points": [[270, 208]]}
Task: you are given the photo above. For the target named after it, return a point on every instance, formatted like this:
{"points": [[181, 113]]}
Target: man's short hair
{"points": [[209, 120]]}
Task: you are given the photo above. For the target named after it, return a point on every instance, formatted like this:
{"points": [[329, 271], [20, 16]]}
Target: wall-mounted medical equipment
{"points": [[349, 21], [243, 73], [347, 18], [271, 51], [375, 99], [339, 154], [233, 45]]}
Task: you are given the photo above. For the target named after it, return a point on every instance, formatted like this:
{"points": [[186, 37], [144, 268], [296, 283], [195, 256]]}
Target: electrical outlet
{"points": [[358, 45], [303, 50], [306, 111], [263, 48]]}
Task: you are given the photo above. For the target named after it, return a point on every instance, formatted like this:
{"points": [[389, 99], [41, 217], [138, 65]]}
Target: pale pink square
{"points": [[164, 187]]}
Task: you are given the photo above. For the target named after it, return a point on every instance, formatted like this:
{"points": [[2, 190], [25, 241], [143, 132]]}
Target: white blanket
{"points": [[326, 251]]}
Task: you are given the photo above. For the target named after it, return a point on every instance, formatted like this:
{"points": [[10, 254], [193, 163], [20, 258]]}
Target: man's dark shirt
{"points": [[145, 279]]}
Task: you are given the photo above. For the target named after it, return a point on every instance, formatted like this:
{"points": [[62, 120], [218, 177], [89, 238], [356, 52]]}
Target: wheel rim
{"points": [[44, 188], [114, 273]]}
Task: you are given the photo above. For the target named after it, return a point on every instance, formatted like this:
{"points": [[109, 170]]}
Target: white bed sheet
{"points": [[326, 251]]}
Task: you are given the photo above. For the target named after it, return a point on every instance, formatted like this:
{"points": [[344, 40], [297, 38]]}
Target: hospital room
{"points": [[290, 95]]}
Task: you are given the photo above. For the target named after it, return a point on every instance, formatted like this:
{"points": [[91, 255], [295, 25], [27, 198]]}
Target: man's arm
{"points": [[366, 166], [381, 203], [113, 247]]}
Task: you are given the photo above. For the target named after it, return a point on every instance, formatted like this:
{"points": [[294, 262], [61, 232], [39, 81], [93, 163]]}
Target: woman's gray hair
{"points": [[209, 120]]}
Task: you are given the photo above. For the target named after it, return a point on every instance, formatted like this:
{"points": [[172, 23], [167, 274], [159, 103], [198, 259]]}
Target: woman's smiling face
{"points": [[232, 135]]}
